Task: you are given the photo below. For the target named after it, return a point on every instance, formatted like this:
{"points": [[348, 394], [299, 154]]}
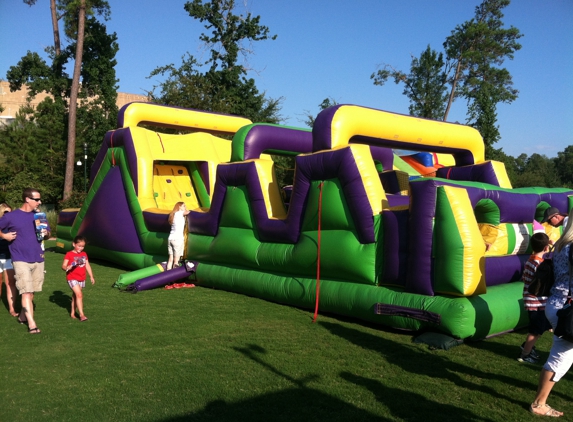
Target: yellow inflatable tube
{"points": [[134, 114], [404, 132]]}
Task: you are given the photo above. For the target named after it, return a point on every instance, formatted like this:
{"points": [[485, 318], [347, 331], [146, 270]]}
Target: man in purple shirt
{"points": [[19, 228]]}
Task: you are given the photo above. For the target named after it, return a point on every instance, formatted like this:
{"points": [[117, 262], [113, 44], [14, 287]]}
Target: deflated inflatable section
{"points": [[385, 245]]}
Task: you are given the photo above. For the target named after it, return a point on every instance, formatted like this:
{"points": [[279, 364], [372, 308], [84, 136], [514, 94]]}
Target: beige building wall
{"points": [[12, 101]]}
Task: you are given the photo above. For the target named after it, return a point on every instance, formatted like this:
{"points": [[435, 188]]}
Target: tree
{"points": [[71, 155], [425, 85], [483, 115], [75, 29], [224, 87], [55, 27], [33, 145], [74, 13], [477, 48], [96, 97], [564, 166], [536, 170], [475, 52]]}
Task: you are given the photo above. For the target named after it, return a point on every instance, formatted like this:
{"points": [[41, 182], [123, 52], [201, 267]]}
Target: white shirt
{"points": [[177, 227]]}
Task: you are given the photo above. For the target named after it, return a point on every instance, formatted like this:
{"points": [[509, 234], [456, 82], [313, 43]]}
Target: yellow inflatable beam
{"points": [[332, 130], [134, 114]]}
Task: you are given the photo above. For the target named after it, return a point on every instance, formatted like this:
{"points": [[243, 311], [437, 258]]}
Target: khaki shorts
{"points": [[176, 247], [29, 276]]}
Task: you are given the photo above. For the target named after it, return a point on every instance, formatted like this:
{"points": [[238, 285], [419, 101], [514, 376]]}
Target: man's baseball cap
{"points": [[549, 213]]}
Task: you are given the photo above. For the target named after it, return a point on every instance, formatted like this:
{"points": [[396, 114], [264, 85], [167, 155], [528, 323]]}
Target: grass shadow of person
{"points": [[300, 402], [433, 365], [407, 405], [61, 299]]}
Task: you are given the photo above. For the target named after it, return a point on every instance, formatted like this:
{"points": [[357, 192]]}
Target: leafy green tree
{"points": [[425, 85], [75, 12], [21, 181], [564, 166], [478, 48], [30, 149], [97, 95], [482, 113], [224, 87], [536, 170], [475, 52]]}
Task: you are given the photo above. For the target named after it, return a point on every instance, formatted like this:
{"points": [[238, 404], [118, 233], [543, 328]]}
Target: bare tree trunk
{"points": [[55, 27], [71, 156], [453, 91]]}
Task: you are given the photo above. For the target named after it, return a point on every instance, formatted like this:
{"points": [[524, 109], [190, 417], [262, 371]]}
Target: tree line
{"points": [[40, 147]]}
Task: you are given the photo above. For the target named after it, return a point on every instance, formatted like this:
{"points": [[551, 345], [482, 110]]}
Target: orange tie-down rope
{"points": [[318, 253]]}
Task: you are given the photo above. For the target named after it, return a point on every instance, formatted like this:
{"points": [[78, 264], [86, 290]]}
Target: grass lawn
{"points": [[208, 355]]}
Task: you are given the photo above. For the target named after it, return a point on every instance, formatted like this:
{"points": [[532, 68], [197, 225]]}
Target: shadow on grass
{"points": [[61, 299], [298, 403], [407, 405], [432, 365]]}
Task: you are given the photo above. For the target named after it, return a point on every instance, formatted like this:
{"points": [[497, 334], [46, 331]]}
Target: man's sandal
{"points": [[552, 413], [35, 330]]}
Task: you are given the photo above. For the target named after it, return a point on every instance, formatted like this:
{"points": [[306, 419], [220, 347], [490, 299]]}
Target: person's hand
{"points": [[93, 281], [10, 236]]}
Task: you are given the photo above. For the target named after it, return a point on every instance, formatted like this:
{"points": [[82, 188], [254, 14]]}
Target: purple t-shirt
{"points": [[25, 247]]}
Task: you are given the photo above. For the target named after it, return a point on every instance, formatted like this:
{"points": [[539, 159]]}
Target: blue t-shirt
{"points": [[25, 247]]}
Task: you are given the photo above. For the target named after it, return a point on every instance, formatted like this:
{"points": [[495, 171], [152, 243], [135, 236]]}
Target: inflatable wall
{"points": [[383, 244]]}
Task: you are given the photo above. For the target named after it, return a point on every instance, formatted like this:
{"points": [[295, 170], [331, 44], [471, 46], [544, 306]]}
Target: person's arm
{"points": [[10, 236], [89, 270], [65, 266]]}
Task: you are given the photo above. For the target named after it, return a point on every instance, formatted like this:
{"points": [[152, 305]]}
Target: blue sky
{"points": [[329, 48]]}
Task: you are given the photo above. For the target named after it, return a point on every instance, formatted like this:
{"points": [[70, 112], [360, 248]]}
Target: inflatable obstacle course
{"points": [[441, 253]]}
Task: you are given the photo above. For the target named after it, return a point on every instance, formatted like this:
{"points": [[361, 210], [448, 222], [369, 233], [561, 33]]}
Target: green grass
{"points": [[208, 355]]}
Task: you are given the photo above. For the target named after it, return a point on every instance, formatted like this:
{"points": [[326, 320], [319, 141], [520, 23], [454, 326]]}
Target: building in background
{"points": [[12, 101]]}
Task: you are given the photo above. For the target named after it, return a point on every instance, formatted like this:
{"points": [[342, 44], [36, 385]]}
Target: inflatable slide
{"points": [[373, 242]]}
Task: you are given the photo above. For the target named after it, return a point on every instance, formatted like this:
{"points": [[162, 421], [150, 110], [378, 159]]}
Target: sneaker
{"points": [[528, 359], [533, 352]]}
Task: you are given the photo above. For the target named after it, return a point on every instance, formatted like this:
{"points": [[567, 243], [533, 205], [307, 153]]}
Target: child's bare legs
{"points": [[78, 301], [11, 291], [176, 259], [530, 341], [73, 308]]}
